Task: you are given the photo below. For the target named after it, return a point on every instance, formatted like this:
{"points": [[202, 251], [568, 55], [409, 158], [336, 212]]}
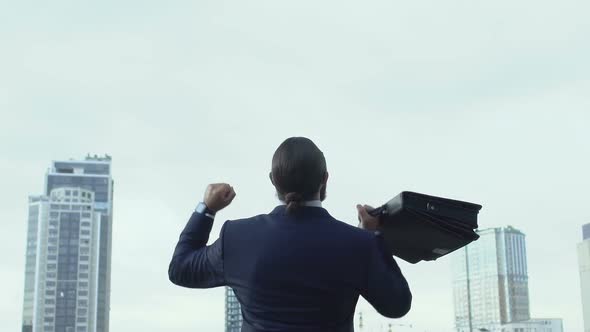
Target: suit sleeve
{"points": [[194, 264], [386, 288]]}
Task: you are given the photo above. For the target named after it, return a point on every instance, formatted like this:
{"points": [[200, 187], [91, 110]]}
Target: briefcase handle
{"points": [[378, 211]]}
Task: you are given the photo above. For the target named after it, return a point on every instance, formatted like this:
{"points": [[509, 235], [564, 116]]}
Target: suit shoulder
{"points": [[245, 221], [249, 219], [353, 231]]}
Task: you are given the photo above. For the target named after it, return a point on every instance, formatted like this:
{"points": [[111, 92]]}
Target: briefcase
{"points": [[419, 227]]}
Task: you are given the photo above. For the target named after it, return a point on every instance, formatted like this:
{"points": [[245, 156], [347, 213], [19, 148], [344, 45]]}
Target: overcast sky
{"points": [[484, 101]]}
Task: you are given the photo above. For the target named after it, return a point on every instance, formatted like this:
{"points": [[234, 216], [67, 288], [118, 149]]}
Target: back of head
{"points": [[298, 172]]}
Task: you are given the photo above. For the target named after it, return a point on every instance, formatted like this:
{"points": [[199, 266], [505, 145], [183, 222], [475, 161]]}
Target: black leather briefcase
{"points": [[420, 227]]}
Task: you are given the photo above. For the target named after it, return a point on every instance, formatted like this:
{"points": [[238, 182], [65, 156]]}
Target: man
{"points": [[296, 268]]}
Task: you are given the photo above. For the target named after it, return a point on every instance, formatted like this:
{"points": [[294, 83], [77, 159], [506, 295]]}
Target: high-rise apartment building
{"points": [[233, 313], [67, 273], [490, 281], [584, 265]]}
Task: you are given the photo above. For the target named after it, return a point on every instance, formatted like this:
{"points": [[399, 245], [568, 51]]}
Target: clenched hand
{"points": [[218, 196]]}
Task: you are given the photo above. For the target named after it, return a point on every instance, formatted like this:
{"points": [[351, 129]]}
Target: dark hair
{"points": [[298, 170]]}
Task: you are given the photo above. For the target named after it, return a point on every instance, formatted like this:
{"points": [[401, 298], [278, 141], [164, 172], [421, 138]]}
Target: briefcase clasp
{"points": [[430, 206]]}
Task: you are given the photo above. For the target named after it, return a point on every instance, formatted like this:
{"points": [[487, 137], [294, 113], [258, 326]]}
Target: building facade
{"points": [[534, 325], [584, 266], [490, 281], [233, 313], [67, 272]]}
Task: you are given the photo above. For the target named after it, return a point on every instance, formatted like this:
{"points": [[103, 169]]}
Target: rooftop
{"points": [[96, 157]]}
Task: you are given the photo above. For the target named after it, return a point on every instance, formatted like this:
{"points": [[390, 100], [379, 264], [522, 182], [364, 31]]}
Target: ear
{"points": [[325, 180], [270, 177]]}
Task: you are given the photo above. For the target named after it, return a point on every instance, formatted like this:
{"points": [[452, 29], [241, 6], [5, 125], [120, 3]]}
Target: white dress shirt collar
{"points": [[314, 203]]}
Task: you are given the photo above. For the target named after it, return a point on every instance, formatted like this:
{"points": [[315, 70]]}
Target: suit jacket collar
{"points": [[303, 211]]}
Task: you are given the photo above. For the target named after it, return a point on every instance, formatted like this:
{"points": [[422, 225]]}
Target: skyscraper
{"points": [[584, 264], [67, 274], [490, 281], [233, 313]]}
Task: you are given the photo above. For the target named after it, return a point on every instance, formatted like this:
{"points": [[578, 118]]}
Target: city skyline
{"points": [[365, 308], [59, 190]]}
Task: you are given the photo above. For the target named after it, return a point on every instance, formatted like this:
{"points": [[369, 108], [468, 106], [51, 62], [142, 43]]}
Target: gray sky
{"points": [[483, 101]]}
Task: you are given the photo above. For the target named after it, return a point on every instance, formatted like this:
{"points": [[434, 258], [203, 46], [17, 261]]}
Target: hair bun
{"points": [[293, 197], [293, 201]]}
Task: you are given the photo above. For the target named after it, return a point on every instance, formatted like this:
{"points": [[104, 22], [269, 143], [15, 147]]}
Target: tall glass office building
{"points": [[233, 313], [584, 265], [67, 274], [490, 281]]}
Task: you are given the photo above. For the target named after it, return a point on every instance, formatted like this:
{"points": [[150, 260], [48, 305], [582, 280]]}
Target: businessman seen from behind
{"points": [[295, 268]]}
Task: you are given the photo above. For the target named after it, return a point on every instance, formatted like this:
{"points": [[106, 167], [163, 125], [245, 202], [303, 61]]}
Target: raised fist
{"points": [[218, 196]]}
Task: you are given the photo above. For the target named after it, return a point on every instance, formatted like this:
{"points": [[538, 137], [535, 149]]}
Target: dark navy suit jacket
{"points": [[301, 272]]}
